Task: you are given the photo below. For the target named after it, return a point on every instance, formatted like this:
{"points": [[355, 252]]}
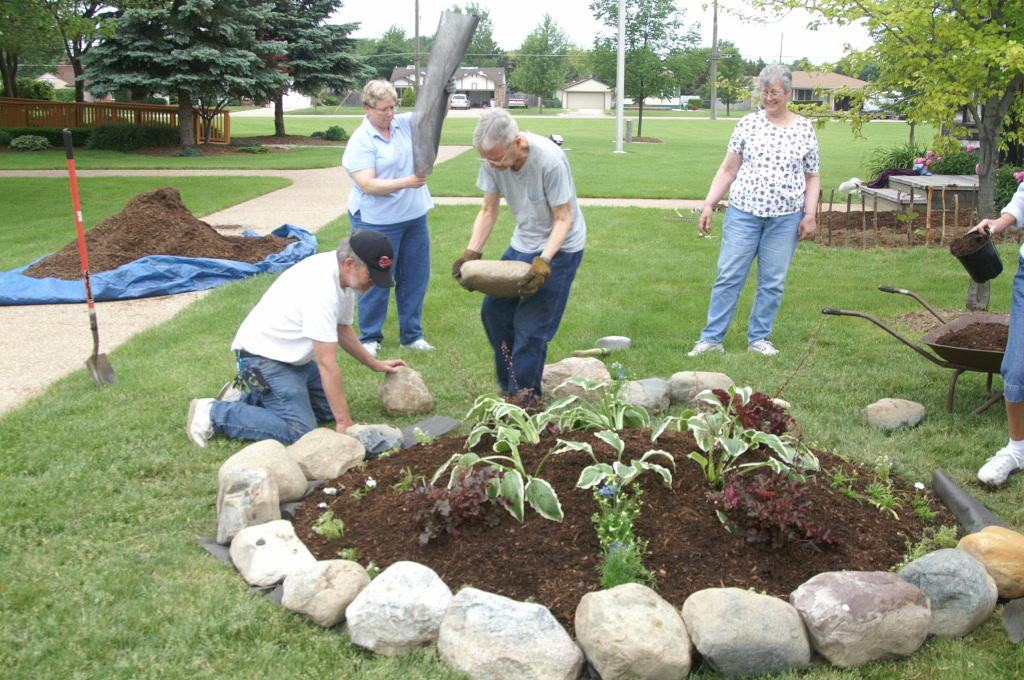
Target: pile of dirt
{"points": [[990, 337], [893, 230], [153, 223]]}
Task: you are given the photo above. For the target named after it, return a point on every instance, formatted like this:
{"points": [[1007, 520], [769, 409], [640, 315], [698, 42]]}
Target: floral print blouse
{"points": [[771, 179]]}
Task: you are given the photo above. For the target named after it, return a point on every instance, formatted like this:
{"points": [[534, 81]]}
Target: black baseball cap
{"points": [[374, 248]]}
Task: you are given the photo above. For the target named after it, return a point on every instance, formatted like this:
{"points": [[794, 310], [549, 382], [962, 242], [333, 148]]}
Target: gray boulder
{"points": [[245, 498], [686, 385], [741, 633], [490, 637], [961, 592], [400, 610], [404, 392], [326, 454], [376, 439], [497, 278], [323, 590], [630, 632], [854, 617], [269, 454], [651, 394], [892, 414], [266, 553], [583, 367]]}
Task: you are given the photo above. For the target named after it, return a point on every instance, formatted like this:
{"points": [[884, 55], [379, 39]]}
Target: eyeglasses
{"points": [[385, 111], [773, 93], [498, 163]]}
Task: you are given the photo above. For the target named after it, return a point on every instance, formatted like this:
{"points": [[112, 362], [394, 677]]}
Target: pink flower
{"points": [[977, 167], [930, 154], [939, 159], [928, 163], [919, 159], [970, 147]]}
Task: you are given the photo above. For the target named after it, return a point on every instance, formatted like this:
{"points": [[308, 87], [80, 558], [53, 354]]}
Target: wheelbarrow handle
{"points": [[904, 291], [927, 355]]}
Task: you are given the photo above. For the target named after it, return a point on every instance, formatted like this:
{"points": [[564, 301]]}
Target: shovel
{"points": [[99, 366]]}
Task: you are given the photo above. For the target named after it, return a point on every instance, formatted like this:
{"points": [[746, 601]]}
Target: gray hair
{"points": [[496, 126], [375, 90], [773, 72], [344, 251]]}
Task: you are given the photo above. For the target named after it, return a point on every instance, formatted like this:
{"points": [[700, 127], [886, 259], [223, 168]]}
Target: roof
{"points": [[826, 80], [495, 73], [575, 83], [65, 72]]}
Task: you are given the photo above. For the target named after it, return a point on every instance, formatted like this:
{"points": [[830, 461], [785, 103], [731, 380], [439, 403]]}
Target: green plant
{"points": [[606, 413], [372, 570], [350, 554], [407, 482], [329, 101], [922, 505], [336, 133], [956, 163], [29, 143], [883, 496], [53, 135], [885, 158], [693, 103], [1006, 184], [258, 148], [553, 103], [329, 526], [131, 137], [469, 497], [931, 540], [422, 437], [624, 563], [408, 98], [366, 488], [317, 133], [188, 152], [618, 474], [5, 138], [838, 479]]}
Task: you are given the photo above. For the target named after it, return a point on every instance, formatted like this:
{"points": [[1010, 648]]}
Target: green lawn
{"points": [[85, 159], [102, 496], [41, 219]]}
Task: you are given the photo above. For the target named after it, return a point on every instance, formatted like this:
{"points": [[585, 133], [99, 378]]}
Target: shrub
{"points": [[884, 158], [464, 500], [5, 138], [956, 163], [53, 135], [150, 100], [256, 148], [408, 98], [336, 133], [131, 137], [552, 103], [188, 152], [329, 101], [317, 133], [1006, 185], [693, 103], [759, 413], [64, 94], [30, 143], [35, 89]]}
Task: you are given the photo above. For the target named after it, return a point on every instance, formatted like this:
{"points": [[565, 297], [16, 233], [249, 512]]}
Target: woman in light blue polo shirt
{"points": [[388, 197]]}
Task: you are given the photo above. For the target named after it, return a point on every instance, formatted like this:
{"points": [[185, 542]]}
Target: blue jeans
{"points": [[526, 325], [772, 240], [411, 269], [295, 404], [1013, 358]]}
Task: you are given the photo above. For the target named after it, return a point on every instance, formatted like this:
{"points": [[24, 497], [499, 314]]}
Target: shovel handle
{"points": [[597, 352], [75, 203]]}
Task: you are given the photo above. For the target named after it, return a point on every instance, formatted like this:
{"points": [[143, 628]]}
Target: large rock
{"points": [[266, 553], [269, 454], [651, 394], [245, 498], [323, 590], [490, 637], [326, 454], [630, 632], [854, 617], [1001, 552], [740, 633], [686, 385], [376, 438], [497, 278], [961, 592], [892, 414], [583, 367], [404, 393], [400, 610]]}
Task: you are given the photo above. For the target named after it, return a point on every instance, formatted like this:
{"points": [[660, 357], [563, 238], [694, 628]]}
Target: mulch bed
{"points": [[892, 232], [555, 563], [991, 337], [153, 223]]}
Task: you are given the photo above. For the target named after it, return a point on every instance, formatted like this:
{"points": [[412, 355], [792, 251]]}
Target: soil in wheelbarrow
{"points": [[892, 231], [555, 563], [153, 223], [981, 336]]}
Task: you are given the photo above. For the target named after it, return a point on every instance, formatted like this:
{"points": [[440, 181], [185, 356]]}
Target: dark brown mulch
{"points": [[986, 336], [647, 140], [153, 223], [892, 232], [555, 563]]}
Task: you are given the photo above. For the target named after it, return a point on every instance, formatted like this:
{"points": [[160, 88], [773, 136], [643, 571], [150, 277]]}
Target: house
{"points": [[64, 77], [482, 85], [586, 94], [811, 87]]}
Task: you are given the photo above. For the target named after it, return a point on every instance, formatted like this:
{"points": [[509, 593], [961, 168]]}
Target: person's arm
{"points": [[367, 181], [484, 222], [810, 220], [724, 178], [349, 341], [326, 355], [559, 230]]}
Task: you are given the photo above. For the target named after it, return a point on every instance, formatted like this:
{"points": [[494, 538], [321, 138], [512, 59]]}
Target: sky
{"points": [[514, 19]]}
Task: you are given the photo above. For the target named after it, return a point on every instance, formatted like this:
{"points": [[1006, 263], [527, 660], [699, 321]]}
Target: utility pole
{"points": [[714, 62], [417, 29], [620, 76]]}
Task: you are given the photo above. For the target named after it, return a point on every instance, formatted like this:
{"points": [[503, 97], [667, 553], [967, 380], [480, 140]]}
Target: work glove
{"points": [[467, 255], [452, 85], [539, 272]]}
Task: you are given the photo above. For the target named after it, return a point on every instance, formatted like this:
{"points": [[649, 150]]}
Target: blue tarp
{"points": [[153, 275]]}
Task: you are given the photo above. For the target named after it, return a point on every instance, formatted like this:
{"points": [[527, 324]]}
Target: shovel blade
{"points": [[100, 369]]}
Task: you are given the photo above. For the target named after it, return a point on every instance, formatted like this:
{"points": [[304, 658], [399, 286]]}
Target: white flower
{"points": [[322, 506], [331, 491], [919, 486], [371, 482]]}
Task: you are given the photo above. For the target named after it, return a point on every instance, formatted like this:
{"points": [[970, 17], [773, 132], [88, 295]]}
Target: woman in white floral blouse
{"points": [[772, 168]]}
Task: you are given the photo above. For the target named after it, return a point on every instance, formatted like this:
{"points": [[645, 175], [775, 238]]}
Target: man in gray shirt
{"points": [[533, 175]]}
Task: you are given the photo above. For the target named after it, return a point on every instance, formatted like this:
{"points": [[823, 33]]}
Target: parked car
{"points": [[460, 101], [517, 102]]}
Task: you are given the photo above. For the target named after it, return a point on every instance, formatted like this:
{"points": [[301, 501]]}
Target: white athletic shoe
{"points": [[763, 346], [372, 347], [199, 427], [230, 393], [999, 467], [703, 347], [420, 344]]}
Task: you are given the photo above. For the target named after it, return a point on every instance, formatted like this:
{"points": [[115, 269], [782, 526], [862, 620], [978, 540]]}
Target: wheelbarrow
{"points": [[960, 359]]}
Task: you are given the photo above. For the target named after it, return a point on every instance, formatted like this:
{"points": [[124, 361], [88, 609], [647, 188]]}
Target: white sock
{"points": [[1017, 449]]}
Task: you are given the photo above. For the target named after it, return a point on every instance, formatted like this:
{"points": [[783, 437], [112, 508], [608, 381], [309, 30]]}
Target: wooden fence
{"points": [[41, 113]]}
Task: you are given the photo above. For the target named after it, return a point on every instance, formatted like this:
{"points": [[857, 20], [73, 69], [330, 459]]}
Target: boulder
{"points": [[1001, 552], [399, 611], [490, 637], [323, 590], [326, 454], [741, 633], [497, 278], [245, 498], [404, 392], [854, 617], [630, 632], [583, 367], [651, 394], [266, 553], [686, 385], [269, 454], [961, 593], [376, 439], [892, 414]]}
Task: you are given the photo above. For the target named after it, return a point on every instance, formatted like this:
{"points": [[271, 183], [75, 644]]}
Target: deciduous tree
{"points": [[483, 50], [541, 62], [26, 28]]}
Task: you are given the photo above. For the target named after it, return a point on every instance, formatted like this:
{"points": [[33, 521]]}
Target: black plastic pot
{"points": [[984, 263]]}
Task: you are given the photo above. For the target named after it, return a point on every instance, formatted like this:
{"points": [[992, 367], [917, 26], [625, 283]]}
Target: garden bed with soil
{"points": [[556, 563], [892, 232]]}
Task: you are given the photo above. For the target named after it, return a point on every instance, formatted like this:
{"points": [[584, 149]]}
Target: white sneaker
{"points": [[763, 346], [372, 347], [199, 427], [999, 467], [703, 347], [420, 344], [230, 393]]}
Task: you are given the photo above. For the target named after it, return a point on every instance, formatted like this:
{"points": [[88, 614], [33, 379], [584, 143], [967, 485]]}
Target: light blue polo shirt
{"points": [[392, 159]]}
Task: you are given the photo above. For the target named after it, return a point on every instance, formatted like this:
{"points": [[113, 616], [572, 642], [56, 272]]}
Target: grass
{"points": [[41, 220], [102, 496], [85, 159]]}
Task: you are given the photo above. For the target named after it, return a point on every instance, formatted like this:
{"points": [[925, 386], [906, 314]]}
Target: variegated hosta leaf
{"points": [[611, 439], [591, 476], [512, 489], [543, 499]]}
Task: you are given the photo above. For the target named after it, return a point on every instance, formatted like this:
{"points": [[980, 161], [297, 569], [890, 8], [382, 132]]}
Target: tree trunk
{"points": [[186, 130], [640, 118], [910, 142], [279, 114], [993, 111], [9, 72], [76, 64], [540, 104]]}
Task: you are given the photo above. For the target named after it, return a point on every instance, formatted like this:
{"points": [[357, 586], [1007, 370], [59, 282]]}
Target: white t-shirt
{"points": [[306, 303]]}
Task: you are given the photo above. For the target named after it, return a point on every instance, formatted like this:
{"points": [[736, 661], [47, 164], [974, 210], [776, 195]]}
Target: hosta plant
{"points": [[618, 475], [606, 413]]}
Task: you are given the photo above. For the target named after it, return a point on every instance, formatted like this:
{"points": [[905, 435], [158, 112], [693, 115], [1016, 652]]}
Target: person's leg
{"points": [[412, 274], [497, 316], [285, 415], [774, 253], [741, 232], [317, 397], [372, 306]]}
